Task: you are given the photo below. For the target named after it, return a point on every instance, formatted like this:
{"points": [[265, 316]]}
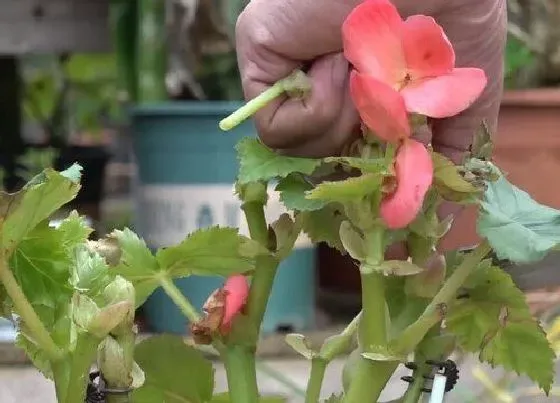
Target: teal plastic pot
{"points": [[186, 172]]}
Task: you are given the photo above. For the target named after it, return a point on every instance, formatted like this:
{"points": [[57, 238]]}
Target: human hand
{"points": [[274, 37]]}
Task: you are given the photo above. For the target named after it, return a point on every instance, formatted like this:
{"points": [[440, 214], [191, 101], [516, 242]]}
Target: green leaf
{"points": [[213, 251], [41, 265], [300, 344], [373, 166], [37, 201], [285, 233], [348, 190], [36, 356], [518, 228], [324, 225], [74, 229], [482, 146], [446, 175], [259, 163], [381, 353], [353, 241], [90, 273], [399, 268], [496, 321], [175, 372], [135, 262], [293, 190]]}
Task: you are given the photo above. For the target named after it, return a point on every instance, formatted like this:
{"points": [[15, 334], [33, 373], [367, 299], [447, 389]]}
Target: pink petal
{"points": [[427, 50], [414, 172], [381, 108], [446, 95], [372, 40], [237, 291]]}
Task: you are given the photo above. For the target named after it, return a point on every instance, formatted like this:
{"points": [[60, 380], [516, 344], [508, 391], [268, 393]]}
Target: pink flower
{"points": [[403, 66], [236, 292], [414, 173]]}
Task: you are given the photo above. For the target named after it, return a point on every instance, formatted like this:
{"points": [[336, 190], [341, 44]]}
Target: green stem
{"points": [[372, 376], [429, 348], [241, 374], [370, 379], [435, 311], [373, 328], [256, 221], [318, 368], [26, 312], [82, 359], [296, 82], [61, 375], [261, 287], [263, 279], [179, 299]]}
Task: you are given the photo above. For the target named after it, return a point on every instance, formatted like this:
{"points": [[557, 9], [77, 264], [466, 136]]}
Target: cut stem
{"points": [[26, 312], [295, 83], [179, 299], [318, 368]]}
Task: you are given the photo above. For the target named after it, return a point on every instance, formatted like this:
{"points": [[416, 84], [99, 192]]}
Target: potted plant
{"points": [[414, 312], [72, 99]]}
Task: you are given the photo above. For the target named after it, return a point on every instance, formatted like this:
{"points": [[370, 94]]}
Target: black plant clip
{"points": [[97, 391], [448, 369]]}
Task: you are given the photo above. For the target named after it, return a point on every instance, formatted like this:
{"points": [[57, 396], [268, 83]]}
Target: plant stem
{"points": [[263, 279], [370, 379], [179, 299], [241, 374], [318, 368], [374, 324], [435, 311], [256, 221], [82, 359], [25, 310], [295, 82], [429, 348], [372, 376]]}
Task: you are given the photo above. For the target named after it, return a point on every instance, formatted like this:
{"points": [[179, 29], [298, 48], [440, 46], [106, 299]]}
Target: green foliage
{"points": [[37, 201], [347, 190], [495, 321], [324, 225], [518, 228], [175, 372], [518, 58], [259, 163], [215, 251], [293, 190]]}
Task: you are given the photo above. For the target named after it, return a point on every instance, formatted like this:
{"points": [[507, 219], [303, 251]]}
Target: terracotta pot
{"points": [[527, 149]]}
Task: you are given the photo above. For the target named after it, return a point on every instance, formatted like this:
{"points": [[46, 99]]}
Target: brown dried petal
{"points": [[214, 309]]}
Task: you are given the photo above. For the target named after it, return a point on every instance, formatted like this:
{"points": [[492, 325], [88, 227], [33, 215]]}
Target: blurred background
{"points": [[133, 91]]}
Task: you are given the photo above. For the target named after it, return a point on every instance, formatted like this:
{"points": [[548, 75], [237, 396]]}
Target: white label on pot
{"points": [[167, 213]]}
